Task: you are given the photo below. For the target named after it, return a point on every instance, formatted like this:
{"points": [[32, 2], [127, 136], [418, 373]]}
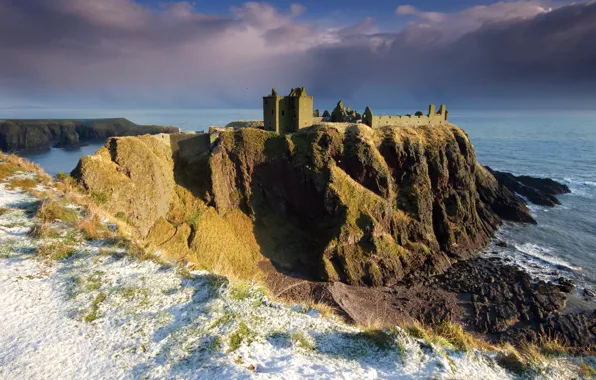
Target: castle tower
{"points": [[287, 114], [432, 111], [443, 112]]}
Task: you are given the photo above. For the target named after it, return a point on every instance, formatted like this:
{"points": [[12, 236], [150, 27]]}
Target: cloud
{"points": [[120, 53], [297, 9], [453, 25]]}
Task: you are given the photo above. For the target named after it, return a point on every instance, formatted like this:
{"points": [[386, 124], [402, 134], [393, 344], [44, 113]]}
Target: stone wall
{"points": [[432, 118]]}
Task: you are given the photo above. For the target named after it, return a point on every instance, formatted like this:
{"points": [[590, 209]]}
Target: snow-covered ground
{"points": [[103, 314]]}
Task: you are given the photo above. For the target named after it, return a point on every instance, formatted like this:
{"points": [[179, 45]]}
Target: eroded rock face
{"points": [[363, 206], [133, 177]]}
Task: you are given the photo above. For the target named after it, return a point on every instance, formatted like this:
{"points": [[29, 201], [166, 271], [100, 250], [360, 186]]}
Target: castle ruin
{"points": [[287, 114], [433, 117]]}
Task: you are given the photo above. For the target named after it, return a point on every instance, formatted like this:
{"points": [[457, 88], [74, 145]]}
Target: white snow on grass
{"points": [[103, 314]]}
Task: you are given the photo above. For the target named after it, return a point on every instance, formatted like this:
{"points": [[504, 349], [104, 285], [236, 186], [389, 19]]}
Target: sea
{"points": [[556, 144]]}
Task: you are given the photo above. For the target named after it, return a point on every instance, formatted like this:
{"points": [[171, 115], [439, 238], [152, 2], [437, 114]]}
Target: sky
{"points": [[160, 54]]}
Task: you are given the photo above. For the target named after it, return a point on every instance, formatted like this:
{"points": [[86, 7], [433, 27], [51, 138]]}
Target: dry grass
{"points": [[587, 370], [455, 335], [68, 185], [55, 251], [93, 228], [15, 163], [7, 170], [43, 230], [448, 334], [3, 210], [552, 347], [226, 245], [22, 183], [54, 209]]}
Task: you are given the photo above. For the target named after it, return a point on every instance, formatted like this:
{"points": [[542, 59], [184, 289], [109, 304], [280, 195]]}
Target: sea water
{"points": [[559, 145]]}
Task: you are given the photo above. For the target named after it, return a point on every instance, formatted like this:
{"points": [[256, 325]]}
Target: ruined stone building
{"points": [[287, 114], [432, 118]]}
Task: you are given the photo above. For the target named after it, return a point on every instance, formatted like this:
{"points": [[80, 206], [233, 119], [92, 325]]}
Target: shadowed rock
{"points": [[540, 191]]}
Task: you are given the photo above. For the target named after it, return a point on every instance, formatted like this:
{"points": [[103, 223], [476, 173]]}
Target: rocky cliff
{"points": [[18, 135], [349, 203]]}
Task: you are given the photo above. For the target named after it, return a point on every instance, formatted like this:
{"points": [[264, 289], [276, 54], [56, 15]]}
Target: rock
{"points": [[500, 199], [368, 213], [566, 285], [576, 331], [502, 296], [540, 191], [23, 135], [360, 205], [546, 185], [502, 243], [134, 175], [589, 293]]}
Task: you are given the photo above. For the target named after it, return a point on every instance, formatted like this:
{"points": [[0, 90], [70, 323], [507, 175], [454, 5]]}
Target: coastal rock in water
{"points": [[23, 135], [501, 296], [540, 191]]}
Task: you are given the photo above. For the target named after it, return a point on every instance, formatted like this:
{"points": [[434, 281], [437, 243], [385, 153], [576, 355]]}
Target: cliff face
{"points": [[360, 205], [367, 207], [42, 134]]}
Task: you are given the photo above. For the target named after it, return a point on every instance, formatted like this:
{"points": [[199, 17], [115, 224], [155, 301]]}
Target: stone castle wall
{"points": [[432, 118]]}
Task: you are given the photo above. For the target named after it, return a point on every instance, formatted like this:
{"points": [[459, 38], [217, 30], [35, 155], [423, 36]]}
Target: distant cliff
{"points": [[19, 135]]}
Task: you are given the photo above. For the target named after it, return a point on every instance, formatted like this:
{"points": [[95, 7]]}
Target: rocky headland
{"points": [[28, 135], [386, 219]]}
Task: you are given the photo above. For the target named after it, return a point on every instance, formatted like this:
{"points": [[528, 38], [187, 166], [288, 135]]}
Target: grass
{"points": [[94, 308], [587, 370], [302, 340], [381, 339], [99, 198], [240, 335], [13, 163], [93, 228], [22, 183], [240, 290], [43, 230], [7, 170], [51, 210], [456, 336], [55, 251], [226, 245], [447, 334], [552, 348]]}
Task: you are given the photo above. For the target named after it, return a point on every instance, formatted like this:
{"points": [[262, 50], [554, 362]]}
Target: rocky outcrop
{"points": [[346, 202], [344, 115], [21, 135], [540, 191], [363, 206]]}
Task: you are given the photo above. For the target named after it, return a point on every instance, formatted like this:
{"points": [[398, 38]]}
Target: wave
{"points": [[545, 255]]}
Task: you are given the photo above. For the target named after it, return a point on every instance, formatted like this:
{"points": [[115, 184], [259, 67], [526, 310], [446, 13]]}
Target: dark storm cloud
{"points": [[551, 56], [117, 52]]}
